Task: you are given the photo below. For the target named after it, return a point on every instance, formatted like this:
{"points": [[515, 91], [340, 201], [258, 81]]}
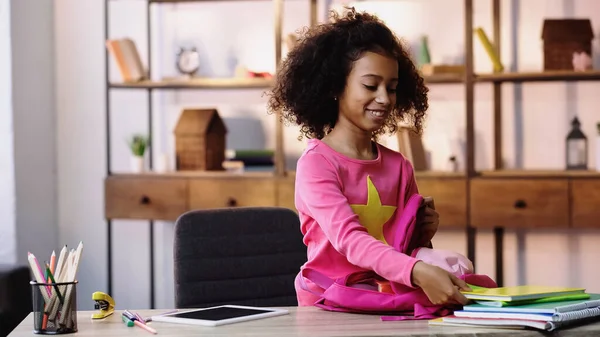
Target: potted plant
{"points": [[138, 145]]}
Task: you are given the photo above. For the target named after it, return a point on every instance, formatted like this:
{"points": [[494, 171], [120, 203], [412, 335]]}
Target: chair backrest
{"points": [[243, 256]]}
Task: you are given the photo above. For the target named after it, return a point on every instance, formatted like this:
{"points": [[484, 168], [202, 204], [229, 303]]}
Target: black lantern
{"points": [[577, 147]]}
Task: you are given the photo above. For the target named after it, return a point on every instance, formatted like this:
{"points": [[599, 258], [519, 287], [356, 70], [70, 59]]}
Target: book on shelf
{"points": [[127, 58], [489, 49], [410, 144], [251, 159]]}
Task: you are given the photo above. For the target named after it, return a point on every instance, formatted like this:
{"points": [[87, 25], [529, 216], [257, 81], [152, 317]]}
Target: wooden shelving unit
{"points": [[466, 200], [524, 199], [150, 196]]}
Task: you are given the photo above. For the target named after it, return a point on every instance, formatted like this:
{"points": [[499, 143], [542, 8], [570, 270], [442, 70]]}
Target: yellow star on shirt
{"points": [[373, 215]]}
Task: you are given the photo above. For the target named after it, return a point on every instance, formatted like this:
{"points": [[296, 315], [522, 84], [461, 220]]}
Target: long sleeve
{"points": [[319, 191]]}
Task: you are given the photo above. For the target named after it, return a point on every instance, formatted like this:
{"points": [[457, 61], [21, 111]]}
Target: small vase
{"points": [[137, 164], [162, 163]]}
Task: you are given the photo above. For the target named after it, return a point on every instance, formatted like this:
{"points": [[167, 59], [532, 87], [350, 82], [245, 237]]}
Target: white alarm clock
{"points": [[188, 61]]}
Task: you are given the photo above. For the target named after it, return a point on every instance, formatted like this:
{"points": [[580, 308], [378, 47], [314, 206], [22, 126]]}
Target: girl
{"points": [[345, 83]]}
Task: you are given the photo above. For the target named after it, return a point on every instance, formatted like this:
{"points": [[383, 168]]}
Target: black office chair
{"points": [[244, 256], [15, 296]]}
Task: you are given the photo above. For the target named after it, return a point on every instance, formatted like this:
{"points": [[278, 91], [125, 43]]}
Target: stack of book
{"points": [[520, 307], [251, 159]]}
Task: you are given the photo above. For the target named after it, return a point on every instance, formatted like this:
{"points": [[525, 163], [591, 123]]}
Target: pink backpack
{"points": [[358, 292]]}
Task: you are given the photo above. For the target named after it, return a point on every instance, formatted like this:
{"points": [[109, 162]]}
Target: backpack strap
{"points": [[315, 277]]}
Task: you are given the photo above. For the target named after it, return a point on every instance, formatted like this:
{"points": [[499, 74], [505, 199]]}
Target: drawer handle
{"points": [[520, 204], [231, 202], [144, 200]]}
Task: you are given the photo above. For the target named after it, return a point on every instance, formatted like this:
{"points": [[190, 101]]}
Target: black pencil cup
{"points": [[54, 307]]}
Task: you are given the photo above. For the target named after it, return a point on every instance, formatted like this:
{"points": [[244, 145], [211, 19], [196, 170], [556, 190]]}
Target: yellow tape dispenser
{"points": [[104, 303]]}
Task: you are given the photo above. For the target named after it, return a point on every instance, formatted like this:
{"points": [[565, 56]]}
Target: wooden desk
{"points": [[305, 321]]}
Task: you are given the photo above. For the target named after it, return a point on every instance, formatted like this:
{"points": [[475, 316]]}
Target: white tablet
{"points": [[220, 315]]}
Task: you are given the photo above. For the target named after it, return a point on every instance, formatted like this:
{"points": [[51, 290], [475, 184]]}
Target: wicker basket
{"points": [[564, 37]]}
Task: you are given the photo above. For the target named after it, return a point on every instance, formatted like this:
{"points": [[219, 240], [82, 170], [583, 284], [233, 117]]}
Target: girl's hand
{"points": [[440, 286]]}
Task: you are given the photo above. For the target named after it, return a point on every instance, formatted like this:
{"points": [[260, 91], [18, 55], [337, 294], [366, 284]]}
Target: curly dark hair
{"points": [[316, 69]]}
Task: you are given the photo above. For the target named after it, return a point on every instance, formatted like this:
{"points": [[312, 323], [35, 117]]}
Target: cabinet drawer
{"points": [[231, 192], [450, 198], [519, 203], [145, 198], [585, 194]]}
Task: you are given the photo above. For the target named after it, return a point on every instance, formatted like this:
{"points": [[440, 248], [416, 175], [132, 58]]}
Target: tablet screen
{"points": [[221, 313]]}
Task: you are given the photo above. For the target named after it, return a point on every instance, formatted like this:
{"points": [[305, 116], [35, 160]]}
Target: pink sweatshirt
{"points": [[343, 205]]}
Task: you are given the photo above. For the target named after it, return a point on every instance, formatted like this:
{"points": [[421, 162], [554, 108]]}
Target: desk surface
{"points": [[304, 321]]}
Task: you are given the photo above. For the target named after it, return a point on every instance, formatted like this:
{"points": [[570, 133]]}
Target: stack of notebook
{"points": [[538, 307]]}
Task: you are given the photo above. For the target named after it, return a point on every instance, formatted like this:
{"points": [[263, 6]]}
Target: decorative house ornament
{"points": [[200, 140], [562, 38], [577, 147]]}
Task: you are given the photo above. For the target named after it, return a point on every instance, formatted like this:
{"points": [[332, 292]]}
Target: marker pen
{"points": [[127, 321]]}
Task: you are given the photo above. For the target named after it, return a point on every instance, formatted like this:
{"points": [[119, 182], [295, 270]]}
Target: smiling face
{"points": [[370, 93]]}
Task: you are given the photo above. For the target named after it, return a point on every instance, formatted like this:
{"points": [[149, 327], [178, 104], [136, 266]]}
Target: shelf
{"points": [[444, 78], [544, 76], [176, 1], [250, 83], [539, 174], [418, 174], [257, 174], [172, 1], [439, 174], [194, 174], [240, 83], [199, 83]]}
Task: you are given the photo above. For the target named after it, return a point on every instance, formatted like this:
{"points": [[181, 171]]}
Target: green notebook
{"points": [[498, 304], [541, 306], [519, 293]]}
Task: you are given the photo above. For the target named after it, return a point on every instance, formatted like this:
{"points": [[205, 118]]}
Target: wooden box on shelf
{"points": [[200, 140], [562, 38]]}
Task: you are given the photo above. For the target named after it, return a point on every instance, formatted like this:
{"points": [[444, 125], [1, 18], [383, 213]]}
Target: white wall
{"points": [[8, 249], [34, 118], [80, 139], [541, 116], [27, 131]]}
